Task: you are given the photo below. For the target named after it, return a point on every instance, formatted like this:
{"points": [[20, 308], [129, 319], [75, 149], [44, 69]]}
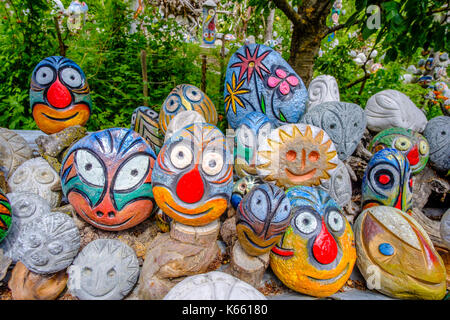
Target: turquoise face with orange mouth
{"points": [[388, 181], [316, 254], [59, 95]]}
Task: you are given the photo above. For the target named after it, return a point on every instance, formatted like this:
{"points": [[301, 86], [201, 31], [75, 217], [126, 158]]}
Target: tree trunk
{"points": [[269, 26], [305, 46]]}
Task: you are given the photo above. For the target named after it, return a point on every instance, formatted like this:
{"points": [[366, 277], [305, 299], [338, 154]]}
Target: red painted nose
{"points": [[58, 95], [190, 187], [325, 247], [413, 156]]}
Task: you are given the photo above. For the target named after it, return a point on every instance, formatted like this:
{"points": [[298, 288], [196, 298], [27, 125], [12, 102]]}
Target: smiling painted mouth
{"points": [[189, 216], [285, 253], [300, 178], [331, 280], [60, 119], [255, 244]]}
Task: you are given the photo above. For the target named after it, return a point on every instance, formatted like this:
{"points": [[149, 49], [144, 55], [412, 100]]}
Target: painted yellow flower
{"points": [[233, 94]]}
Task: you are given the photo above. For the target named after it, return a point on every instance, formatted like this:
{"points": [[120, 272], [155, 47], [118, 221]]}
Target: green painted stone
{"points": [[411, 144]]}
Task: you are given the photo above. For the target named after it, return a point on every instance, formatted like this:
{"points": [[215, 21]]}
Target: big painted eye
{"points": [[283, 211], [306, 222], [173, 102], [132, 173], [423, 147], [259, 205], [45, 75], [89, 168], [212, 163], [246, 136], [193, 94], [181, 156], [335, 221], [71, 77], [402, 144], [384, 177]]}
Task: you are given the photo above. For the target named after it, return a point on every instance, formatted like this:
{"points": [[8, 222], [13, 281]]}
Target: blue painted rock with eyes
{"points": [[59, 95], [193, 175], [106, 177], [388, 181], [254, 127], [259, 79], [261, 218], [186, 97], [316, 254]]}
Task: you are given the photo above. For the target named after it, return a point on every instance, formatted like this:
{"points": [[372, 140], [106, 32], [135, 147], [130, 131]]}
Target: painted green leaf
{"points": [[263, 104]]}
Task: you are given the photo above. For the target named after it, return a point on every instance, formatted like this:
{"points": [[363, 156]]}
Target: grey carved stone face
{"points": [[322, 89], [344, 122], [26, 207], [37, 176], [213, 285], [49, 243], [437, 133], [14, 150], [339, 186], [445, 228], [105, 269]]}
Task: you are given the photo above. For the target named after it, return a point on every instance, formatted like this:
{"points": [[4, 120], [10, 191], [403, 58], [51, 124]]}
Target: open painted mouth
{"points": [[59, 119], [331, 280], [105, 225], [302, 177], [189, 216]]}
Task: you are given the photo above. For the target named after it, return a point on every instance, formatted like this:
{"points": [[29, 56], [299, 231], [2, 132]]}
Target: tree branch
{"points": [[354, 83], [288, 10]]}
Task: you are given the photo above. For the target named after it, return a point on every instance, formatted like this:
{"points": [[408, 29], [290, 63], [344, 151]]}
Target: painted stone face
{"points": [[181, 120], [14, 151], [144, 121], [5, 215], [186, 97], [242, 187], [387, 181], [297, 154], [259, 79], [411, 144], [339, 186], [59, 95], [445, 228], [193, 175], [26, 207], [49, 243], [344, 122], [253, 128], [261, 219], [37, 176], [105, 269], [106, 177], [391, 108], [316, 254], [322, 89], [437, 134], [394, 247], [214, 285]]}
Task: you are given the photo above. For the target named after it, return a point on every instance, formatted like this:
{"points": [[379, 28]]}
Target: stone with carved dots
{"points": [[105, 269], [437, 133]]}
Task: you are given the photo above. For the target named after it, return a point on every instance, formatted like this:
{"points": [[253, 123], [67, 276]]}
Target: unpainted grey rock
{"points": [[105, 269], [322, 89], [445, 228], [49, 243], [437, 133], [14, 150], [213, 285], [339, 186]]}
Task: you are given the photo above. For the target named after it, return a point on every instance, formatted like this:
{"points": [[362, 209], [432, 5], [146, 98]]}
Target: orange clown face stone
{"points": [[193, 175], [59, 95], [297, 154], [396, 256], [316, 254]]}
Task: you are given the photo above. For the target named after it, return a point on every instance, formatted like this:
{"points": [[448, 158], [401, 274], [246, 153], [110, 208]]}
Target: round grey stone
{"points": [[105, 269], [437, 133], [339, 186], [49, 243], [445, 228], [344, 122]]}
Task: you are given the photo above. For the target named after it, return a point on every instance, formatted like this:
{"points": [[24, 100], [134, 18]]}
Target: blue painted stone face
{"points": [[386, 249], [259, 79]]}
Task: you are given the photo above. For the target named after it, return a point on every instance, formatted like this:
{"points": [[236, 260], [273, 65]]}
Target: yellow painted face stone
{"points": [[396, 256], [297, 154]]}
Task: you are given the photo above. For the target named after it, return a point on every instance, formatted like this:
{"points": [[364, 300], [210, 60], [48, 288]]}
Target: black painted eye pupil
{"points": [[88, 166], [44, 75], [212, 163], [305, 222], [443, 133], [332, 126], [134, 172], [180, 154], [72, 77], [258, 201]]}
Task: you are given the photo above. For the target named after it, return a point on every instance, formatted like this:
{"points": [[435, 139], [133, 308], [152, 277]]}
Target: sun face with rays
{"points": [[297, 154]]}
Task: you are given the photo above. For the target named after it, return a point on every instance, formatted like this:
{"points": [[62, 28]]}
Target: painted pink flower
{"points": [[284, 81]]}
